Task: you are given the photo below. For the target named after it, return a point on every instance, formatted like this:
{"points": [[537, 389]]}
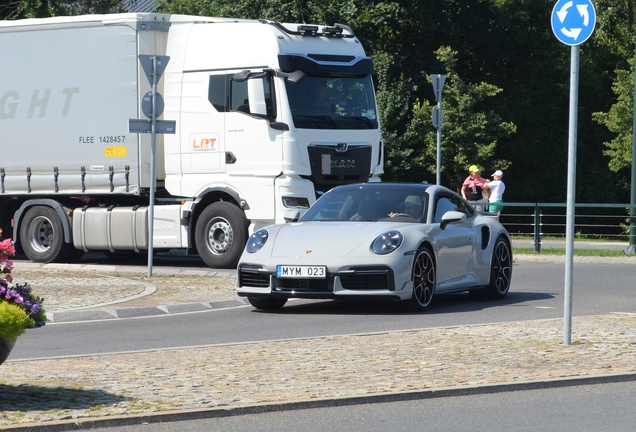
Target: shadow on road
{"points": [[442, 304]]}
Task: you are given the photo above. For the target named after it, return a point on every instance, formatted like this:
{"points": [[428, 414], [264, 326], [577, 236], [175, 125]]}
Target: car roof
{"points": [[388, 185]]}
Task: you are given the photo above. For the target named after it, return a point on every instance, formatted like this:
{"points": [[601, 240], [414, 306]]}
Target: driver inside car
{"points": [[412, 206]]}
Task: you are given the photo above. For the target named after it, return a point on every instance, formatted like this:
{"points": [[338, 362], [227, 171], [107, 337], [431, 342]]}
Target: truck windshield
{"points": [[325, 102]]}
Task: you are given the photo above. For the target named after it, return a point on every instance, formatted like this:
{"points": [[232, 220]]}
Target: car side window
{"points": [[465, 208], [442, 205], [445, 203]]}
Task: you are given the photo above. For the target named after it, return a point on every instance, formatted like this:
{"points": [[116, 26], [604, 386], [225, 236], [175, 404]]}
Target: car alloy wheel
{"points": [[424, 280]]}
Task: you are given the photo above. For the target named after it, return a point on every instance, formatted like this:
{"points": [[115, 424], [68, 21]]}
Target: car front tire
{"points": [[424, 280], [267, 303]]}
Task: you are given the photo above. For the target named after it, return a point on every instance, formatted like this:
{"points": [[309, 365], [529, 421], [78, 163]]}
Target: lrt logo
{"points": [[204, 144]]}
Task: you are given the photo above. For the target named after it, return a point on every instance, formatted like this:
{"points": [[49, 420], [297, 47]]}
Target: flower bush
{"points": [[19, 308]]}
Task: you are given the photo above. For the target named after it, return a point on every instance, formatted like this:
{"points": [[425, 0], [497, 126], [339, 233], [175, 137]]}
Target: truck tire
{"points": [[42, 236], [221, 234]]}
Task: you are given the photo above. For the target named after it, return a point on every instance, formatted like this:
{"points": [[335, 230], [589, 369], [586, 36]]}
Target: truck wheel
{"points": [[42, 236], [221, 234]]}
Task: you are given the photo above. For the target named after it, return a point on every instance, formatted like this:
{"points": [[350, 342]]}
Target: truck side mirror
{"points": [[296, 77], [256, 96], [241, 76], [292, 216]]}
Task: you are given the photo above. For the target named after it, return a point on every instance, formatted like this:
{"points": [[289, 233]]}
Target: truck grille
{"points": [[336, 164]]}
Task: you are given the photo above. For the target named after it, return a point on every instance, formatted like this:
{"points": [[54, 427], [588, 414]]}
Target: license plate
{"points": [[301, 272]]}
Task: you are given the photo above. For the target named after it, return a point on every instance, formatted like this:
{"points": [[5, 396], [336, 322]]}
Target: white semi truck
{"points": [[267, 116]]}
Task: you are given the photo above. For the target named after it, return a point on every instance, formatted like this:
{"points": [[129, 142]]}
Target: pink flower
{"points": [[6, 247]]}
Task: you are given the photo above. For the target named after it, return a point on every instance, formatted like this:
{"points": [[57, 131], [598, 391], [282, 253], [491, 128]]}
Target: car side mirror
{"points": [[292, 216], [452, 217]]}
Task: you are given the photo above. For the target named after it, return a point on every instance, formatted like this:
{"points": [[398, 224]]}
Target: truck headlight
{"points": [[295, 202]]}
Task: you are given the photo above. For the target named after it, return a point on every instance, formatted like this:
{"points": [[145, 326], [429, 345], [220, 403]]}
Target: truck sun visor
{"points": [[321, 64]]}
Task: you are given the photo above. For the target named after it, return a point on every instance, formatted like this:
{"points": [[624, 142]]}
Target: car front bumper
{"points": [[354, 282]]}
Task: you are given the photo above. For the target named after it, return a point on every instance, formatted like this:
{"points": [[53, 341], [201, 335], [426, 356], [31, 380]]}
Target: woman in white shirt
{"points": [[497, 188]]}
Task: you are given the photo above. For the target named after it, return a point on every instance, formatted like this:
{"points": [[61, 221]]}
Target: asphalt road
{"points": [[536, 293], [593, 408]]}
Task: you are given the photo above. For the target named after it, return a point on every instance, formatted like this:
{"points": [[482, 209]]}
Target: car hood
{"points": [[326, 239]]}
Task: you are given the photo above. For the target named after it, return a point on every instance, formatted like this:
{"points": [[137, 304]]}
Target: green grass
{"points": [[577, 252]]}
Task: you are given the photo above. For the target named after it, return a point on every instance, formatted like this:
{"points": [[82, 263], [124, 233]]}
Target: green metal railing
{"points": [[549, 219]]}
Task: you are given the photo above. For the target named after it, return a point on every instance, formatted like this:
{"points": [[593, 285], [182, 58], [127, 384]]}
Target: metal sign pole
{"points": [[438, 117], [572, 22], [569, 232], [153, 138], [152, 107], [438, 178]]}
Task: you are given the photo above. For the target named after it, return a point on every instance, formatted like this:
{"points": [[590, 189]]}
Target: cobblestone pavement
{"points": [[163, 385]]}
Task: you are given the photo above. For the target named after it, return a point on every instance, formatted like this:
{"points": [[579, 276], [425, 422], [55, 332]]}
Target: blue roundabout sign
{"points": [[573, 21]]}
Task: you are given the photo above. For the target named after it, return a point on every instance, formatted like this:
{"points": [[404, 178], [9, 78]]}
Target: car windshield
{"points": [[369, 204], [323, 102]]}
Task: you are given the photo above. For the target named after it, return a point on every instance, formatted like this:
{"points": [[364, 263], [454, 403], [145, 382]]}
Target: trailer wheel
{"points": [[42, 236], [221, 234]]}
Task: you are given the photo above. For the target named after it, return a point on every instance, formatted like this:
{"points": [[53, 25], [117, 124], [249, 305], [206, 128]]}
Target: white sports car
{"points": [[393, 241]]}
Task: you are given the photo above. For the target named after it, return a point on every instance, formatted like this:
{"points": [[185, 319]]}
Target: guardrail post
{"points": [[631, 249], [537, 228]]}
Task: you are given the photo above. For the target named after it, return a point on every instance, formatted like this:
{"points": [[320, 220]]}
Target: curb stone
{"points": [[186, 415]]}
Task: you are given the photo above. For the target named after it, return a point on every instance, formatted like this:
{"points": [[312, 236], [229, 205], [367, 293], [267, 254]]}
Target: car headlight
{"points": [[257, 241], [387, 242]]}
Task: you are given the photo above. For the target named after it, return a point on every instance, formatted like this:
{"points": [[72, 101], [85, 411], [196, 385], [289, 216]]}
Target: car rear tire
{"points": [[424, 281], [267, 303], [500, 271]]}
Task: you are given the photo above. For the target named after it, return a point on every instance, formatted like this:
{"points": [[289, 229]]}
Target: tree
{"points": [[615, 36], [19, 9], [471, 129], [619, 120], [82, 7]]}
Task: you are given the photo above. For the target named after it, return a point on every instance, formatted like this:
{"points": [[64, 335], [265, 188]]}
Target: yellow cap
{"points": [[473, 168]]}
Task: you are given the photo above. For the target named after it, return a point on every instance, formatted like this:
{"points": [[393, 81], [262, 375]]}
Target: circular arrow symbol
{"points": [[573, 21]]}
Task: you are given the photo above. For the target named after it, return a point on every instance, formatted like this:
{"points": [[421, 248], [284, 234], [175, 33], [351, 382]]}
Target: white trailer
{"points": [[268, 116]]}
